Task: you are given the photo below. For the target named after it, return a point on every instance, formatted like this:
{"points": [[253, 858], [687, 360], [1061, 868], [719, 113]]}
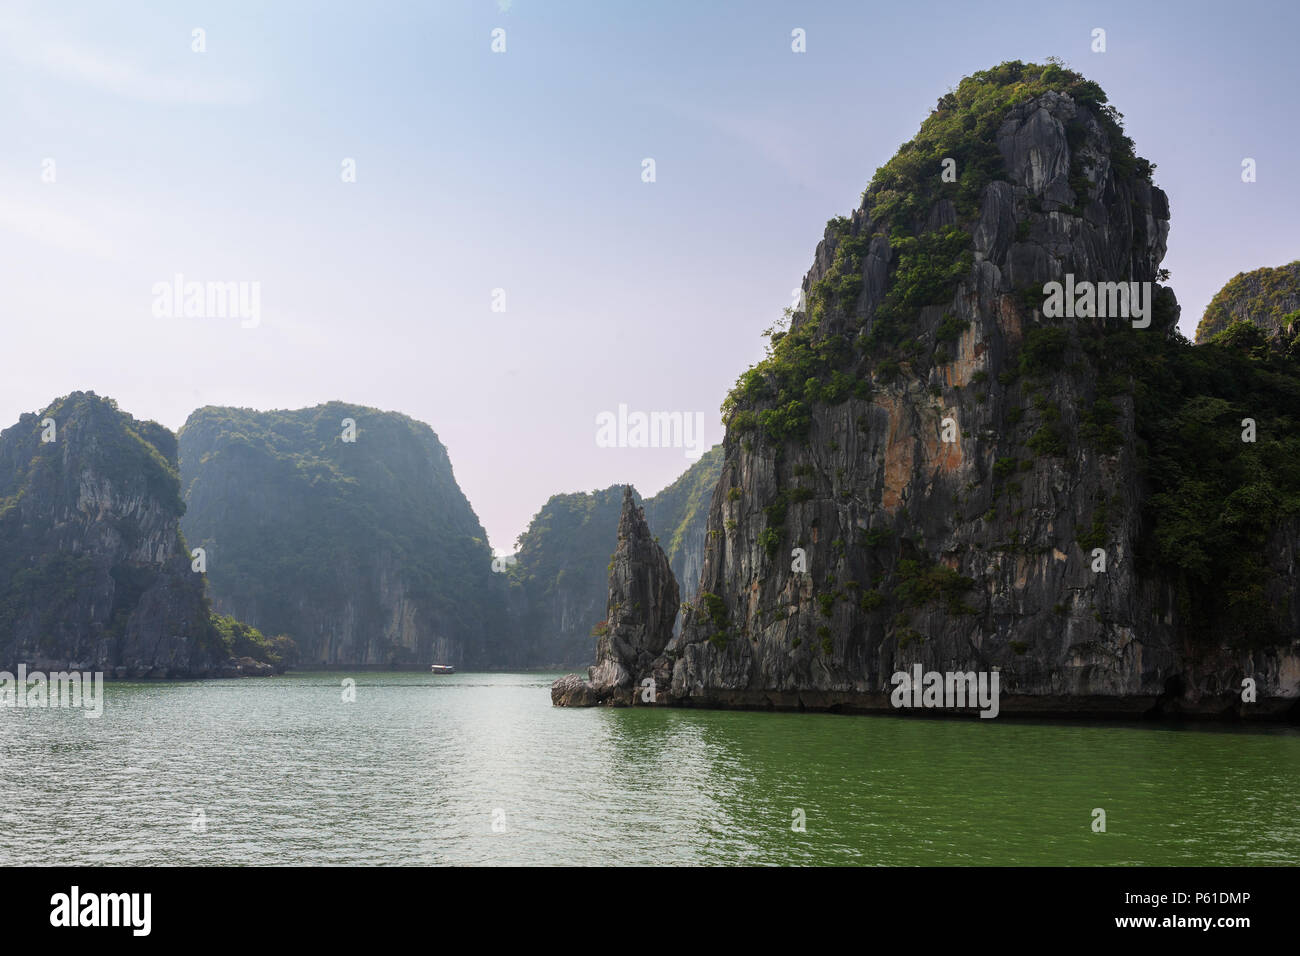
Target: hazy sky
{"points": [[522, 171]]}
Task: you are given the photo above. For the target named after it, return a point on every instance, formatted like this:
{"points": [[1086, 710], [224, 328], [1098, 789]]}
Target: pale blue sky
{"points": [[522, 171]]}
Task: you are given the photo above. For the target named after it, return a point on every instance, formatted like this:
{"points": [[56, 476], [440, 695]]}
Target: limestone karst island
{"points": [[580, 435]]}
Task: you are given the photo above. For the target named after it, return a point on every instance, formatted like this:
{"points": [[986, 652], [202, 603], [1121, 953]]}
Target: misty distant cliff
{"points": [[342, 527], [361, 547], [560, 580], [678, 516]]}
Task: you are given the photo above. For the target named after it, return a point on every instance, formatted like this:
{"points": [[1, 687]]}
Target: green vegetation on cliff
{"points": [[1218, 502], [45, 586], [93, 567], [242, 640], [362, 551], [964, 127], [1217, 512], [681, 508], [1267, 298], [122, 450], [560, 580], [823, 358]]}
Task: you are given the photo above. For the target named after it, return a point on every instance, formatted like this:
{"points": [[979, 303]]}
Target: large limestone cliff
{"points": [[642, 604], [343, 527], [93, 571], [930, 470]]}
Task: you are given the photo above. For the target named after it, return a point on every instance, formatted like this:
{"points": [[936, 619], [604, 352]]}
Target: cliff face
{"points": [[928, 469], [679, 516], [367, 552], [95, 573], [363, 551], [559, 581], [1266, 298], [639, 616]]}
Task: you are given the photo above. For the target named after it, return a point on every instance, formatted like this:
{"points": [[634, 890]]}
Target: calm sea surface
{"points": [[480, 769]]}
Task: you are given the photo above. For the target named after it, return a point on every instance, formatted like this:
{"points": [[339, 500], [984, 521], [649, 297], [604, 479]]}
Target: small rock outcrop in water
{"points": [[558, 583], [642, 605]]}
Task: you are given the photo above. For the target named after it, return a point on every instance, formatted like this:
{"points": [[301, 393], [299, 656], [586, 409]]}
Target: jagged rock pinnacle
{"points": [[642, 604]]}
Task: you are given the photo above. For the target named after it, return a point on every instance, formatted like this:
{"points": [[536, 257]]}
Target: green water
{"points": [[417, 769]]}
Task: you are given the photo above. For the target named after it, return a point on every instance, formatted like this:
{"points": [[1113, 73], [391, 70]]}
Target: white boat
{"points": [[443, 669]]}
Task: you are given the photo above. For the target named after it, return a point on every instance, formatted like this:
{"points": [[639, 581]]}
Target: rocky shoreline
{"points": [[234, 667], [573, 691], [636, 666]]}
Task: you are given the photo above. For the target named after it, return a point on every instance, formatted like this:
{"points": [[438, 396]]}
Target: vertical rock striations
{"points": [[679, 516], [94, 573], [558, 582], [931, 467], [922, 325], [641, 608]]}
